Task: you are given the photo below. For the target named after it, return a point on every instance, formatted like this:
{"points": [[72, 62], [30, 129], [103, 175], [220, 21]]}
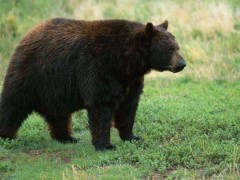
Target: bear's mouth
{"points": [[174, 70]]}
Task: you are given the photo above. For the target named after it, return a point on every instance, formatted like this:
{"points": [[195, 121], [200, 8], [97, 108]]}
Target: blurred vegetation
{"points": [[207, 31], [189, 121], [17, 17]]}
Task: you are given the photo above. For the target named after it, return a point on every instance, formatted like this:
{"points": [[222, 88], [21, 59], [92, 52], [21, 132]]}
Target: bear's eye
{"points": [[171, 50]]}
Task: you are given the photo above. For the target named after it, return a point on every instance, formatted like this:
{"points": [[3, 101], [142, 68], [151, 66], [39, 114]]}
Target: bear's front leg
{"points": [[125, 116], [100, 124]]}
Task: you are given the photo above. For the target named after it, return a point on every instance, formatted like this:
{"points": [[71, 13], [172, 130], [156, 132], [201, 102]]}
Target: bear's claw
{"points": [[67, 140], [103, 148], [131, 138]]}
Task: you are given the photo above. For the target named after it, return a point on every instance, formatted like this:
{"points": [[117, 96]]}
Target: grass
{"points": [[189, 122], [189, 131]]}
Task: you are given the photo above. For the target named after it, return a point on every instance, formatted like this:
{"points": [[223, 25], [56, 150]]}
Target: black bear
{"points": [[64, 65]]}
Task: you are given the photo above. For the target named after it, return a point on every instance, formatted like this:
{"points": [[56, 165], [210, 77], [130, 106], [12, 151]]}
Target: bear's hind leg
{"points": [[60, 127], [12, 116]]}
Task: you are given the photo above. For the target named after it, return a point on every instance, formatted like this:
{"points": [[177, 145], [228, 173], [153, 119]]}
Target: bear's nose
{"points": [[182, 64]]}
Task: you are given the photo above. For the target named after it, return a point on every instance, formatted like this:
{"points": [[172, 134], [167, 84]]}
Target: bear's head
{"points": [[164, 50]]}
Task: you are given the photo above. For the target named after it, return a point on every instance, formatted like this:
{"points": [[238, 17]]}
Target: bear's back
{"points": [[59, 37]]}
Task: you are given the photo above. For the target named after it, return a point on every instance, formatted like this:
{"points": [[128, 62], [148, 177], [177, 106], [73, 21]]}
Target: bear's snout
{"points": [[182, 64]]}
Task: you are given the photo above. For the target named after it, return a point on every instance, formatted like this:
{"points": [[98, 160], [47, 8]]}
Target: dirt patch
{"points": [[34, 152], [64, 159], [3, 158]]}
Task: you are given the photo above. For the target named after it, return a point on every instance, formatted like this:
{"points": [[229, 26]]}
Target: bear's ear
{"points": [[164, 25], [149, 30]]}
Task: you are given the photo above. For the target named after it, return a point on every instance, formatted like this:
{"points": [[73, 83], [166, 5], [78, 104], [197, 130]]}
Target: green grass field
{"points": [[189, 122]]}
